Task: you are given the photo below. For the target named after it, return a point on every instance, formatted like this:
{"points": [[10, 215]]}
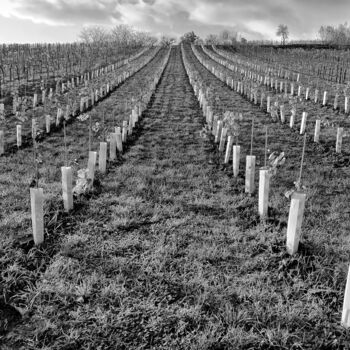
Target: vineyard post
{"points": [[307, 93], [336, 98], [317, 130], [316, 95], [236, 152], [37, 214], [19, 135], [264, 185], [92, 165], [125, 131], [299, 90], [292, 119], [67, 192], [324, 98], [339, 140], [102, 159], [296, 212], [222, 139], [48, 123], [250, 166], [345, 319], [218, 131], [283, 118], [113, 146], [228, 149], [346, 104], [119, 139], [303, 123]]}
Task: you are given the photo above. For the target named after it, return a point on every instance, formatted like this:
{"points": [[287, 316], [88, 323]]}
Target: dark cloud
{"points": [[252, 18]]}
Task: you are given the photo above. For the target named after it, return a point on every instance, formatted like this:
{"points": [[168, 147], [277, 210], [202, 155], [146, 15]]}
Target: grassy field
{"points": [[170, 252]]}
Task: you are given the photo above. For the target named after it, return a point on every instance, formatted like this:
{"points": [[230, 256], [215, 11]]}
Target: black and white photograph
{"points": [[174, 175]]}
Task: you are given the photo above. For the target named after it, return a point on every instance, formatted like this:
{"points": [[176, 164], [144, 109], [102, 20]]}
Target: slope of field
{"points": [[172, 254]]}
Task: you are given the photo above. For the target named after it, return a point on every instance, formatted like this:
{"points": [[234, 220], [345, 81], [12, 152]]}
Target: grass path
{"points": [[163, 258]]}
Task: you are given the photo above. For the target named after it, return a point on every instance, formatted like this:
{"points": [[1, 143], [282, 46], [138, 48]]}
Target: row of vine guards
{"points": [[298, 196]]}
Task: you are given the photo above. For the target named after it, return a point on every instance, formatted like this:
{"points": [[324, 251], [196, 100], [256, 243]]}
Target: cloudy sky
{"points": [[62, 20]]}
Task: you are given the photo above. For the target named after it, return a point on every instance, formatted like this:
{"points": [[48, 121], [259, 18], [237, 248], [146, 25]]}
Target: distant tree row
{"points": [[122, 35], [335, 35]]}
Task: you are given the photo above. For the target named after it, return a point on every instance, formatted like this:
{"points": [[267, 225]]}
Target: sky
{"points": [[28, 21]]}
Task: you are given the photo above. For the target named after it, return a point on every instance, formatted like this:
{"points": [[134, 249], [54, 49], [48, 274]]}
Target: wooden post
{"points": [[67, 188], [222, 139], [292, 89], [339, 140], [228, 149], [113, 146], [299, 90], [19, 135], [218, 131], [316, 95], [295, 219], [37, 208], [264, 188], [102, 158], [324, 98], [48, 123], [345, 317], [303, 123], [317, 130], [92, 166], [235, 159], [250, 174]]}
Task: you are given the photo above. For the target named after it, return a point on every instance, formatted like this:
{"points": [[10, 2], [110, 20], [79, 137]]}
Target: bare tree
{"points": [[94, 34], [167, 40], [283, 32]]}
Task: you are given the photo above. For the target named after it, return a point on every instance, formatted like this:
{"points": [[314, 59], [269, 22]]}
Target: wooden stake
{"points": [[235, 159], [92, 165], [37, 208], [345, 317], [228, 149], [67, 188], [303, 123], [316, 96], [250, 174], [295, 219], [264, 188], [102, 159], [268, 104], [339, 140], [317, 130], [19, 135]]}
